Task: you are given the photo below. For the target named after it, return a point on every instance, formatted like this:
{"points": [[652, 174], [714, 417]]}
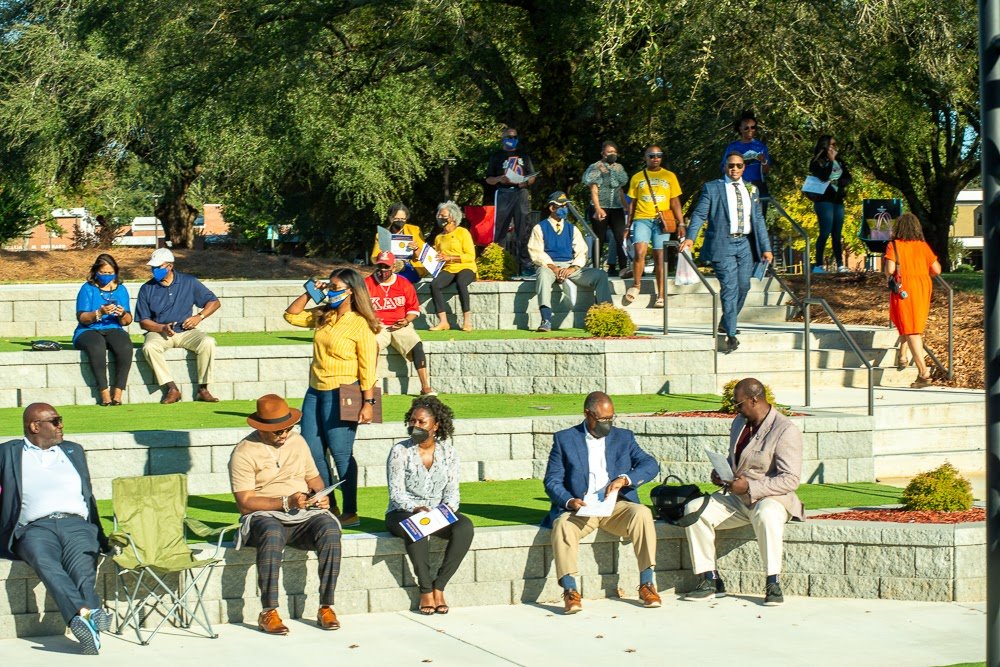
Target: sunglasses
{"points": [[55, 421], [748, 398], [654, 155], [283, 431], [399, 220], [750, 127], [735, 165]]}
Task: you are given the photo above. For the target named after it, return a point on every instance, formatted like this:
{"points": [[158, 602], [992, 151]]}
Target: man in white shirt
{"points": [[559, 252], [732, 209], [48, 518], [587, 462]]}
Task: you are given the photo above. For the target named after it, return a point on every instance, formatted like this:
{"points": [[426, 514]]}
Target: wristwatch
{"points": [[284, 503], [370, 401]]}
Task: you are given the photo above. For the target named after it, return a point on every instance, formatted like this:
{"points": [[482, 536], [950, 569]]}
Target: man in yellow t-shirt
{"points": [[651, 191], [274, 479]]}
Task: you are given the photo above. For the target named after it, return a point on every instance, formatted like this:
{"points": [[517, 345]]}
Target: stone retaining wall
{"points": [[836, 448], [510, 565]]}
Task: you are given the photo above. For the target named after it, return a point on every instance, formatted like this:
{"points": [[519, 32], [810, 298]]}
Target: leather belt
{"points": [[737, 236], [59, 515]]}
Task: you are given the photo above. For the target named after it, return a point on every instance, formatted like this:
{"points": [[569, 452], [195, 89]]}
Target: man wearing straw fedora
{"points": [[281, 499]]}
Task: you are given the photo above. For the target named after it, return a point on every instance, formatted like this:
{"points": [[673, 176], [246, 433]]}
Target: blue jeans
{"points": [[324, 431], [831, 223], [733, 269]]}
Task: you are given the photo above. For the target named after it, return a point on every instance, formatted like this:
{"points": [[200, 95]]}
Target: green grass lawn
{"points": [[193, 415], [518, 502], [965, 282], [305, 337]]}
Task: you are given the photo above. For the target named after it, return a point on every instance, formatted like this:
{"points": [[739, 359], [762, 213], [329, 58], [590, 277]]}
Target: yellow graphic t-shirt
{"points": [[665, 187]]}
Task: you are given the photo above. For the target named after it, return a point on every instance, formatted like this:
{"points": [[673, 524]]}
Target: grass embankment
{"points": [[193, 415], [518, 502]]}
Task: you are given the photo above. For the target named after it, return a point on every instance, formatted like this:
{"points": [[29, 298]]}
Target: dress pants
{"points": [[63, 553], [733, 269], [767, 516], [269, 536], [459, 536], [588, 277], [628, 519], [512, 224], [195, 340]]}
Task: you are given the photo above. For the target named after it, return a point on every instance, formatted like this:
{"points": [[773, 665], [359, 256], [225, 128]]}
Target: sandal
{"points": [[658, 303], [901, 361], [441, 609], [427, 610], [630, 294]]}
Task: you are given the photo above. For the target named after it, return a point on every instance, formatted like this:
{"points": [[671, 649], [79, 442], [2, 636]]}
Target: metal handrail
{"points": [[582, 219], [949, 372], [785, 288], [666, 300], [805, 237], [809, 301]]}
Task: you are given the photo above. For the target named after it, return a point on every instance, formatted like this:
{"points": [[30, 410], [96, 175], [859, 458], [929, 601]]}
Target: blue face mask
{"points": [[509, 143], [159, 273], [336, 297], [562, 212], [104, 278]]}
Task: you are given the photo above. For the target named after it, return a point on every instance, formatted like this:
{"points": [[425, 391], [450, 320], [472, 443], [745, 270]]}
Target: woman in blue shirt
{"points": [[102, 312]]}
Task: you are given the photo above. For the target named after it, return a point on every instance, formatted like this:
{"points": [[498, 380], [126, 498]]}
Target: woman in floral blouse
{"points": [[422, 472]]}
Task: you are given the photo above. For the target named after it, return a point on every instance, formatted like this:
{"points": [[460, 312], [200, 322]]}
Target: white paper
{"points": [[814, 186], [327, 491], [569, 288], [429, 258], [384, 237], [422, 524], [516, 178], [721, 465], [595, 506], [400, 246]]}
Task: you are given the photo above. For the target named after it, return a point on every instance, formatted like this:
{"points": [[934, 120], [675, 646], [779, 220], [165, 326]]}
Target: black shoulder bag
{"points": [[669, 501]]}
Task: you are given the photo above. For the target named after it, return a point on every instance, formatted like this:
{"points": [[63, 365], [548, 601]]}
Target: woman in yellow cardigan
{"points": [[453, 245], [344, 352]]}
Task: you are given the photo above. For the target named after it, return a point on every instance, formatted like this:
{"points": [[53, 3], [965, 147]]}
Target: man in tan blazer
{"points": [[765, 453]]}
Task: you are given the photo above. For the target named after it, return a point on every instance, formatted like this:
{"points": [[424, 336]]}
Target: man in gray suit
{"points": [[48, 518], [765, 453], [732, 209]]}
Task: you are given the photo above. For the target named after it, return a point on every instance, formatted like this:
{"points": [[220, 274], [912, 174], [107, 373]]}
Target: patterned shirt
{"points": [[610, 179], [413, 485], [344, 350]]}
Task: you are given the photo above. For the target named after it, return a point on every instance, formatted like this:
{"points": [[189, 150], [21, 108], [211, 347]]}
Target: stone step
{"points": [[752, 360], [913, 416], [940, 439], [968, 462], [825, 377]]}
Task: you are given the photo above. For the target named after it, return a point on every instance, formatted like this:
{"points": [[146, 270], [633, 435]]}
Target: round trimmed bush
{"points": [[942, 489], [496, 263], [729, 405], [605, 321]]}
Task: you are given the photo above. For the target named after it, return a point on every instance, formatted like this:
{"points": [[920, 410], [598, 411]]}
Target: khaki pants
{"points": [[589, 277], [630, 520], [195, 340], [403, 340], [767, 517]]}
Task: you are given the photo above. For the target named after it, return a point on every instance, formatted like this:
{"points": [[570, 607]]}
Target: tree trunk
{"points": [[176, 214]]}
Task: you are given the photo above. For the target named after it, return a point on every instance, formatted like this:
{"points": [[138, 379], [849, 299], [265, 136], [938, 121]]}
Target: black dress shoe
{"points": [[731, 344]]}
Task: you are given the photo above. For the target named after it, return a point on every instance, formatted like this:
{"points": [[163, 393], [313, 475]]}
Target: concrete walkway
{"points": [[734, 630]]}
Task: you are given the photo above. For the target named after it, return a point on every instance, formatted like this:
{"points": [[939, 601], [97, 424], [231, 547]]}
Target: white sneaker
{"points": [[819, 269], [843, 269]]}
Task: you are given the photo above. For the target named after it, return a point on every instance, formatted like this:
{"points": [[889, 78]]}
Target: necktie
{"points": [[739, 208]]}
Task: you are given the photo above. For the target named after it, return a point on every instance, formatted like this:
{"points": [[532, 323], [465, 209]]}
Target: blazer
{"points": [[821, 169], [10, 493], [771, 462], [567, 474], [713, 207]]}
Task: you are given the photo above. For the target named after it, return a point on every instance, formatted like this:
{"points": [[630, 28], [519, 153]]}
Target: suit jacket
{"points": [[567, 474], [771, 462], [713, 207], [10, 492]]}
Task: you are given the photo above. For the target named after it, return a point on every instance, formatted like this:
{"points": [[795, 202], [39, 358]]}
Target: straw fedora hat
{"points": [[273, 414]]}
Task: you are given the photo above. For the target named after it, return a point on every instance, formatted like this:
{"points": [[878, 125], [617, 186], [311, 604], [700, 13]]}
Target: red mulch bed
{"points": [[908, 516], [710, 413]]}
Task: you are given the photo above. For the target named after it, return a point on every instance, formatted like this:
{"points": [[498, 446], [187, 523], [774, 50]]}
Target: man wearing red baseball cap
{"points": [[394, 301]]}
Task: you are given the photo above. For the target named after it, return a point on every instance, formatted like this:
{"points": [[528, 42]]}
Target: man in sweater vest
{"points": [[559, 251]]}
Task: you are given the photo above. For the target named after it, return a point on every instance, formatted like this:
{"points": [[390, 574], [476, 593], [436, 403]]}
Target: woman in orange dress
{"points": [[917, 263]]}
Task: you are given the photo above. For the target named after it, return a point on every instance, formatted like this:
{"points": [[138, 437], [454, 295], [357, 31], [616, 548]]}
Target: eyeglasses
{"points": [[654, 155], [750, 127], [55, 421], [399, 220], [748, 398], [735, 165], [604, 420]]}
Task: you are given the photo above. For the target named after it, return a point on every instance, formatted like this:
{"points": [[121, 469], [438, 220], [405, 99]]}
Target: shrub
{"points": [[729, 405], [964, 268], [942, 489], [496, 263], [606, 321]]}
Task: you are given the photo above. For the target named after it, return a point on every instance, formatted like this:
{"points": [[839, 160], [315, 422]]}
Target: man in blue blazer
{"points": [[732, 209], [48, 518], [587, 462]]}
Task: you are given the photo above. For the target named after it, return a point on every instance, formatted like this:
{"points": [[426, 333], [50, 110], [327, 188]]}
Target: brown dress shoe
{"points": [[327, 619], [269, 622], [650, 598], [571, 598], [205, 396], [172, 396]]}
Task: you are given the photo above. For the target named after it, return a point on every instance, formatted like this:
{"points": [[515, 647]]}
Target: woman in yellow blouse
{"points": [[344, 352], [453, 245]]}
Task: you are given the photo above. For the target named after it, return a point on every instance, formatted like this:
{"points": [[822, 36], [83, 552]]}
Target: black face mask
{"points": [[383, 275], [395, 225], [601, 429], [417, 434], [611, 158]]}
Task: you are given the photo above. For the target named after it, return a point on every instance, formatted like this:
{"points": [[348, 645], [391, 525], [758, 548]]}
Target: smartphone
{"points": [[315, 293]]}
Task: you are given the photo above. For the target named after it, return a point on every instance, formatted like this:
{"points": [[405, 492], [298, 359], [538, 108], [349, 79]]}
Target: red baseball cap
{"points": [[385, 257]]}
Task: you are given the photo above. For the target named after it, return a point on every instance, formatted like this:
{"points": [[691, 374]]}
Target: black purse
{"points": [[45, 346], [896, 280], [669, 501]]}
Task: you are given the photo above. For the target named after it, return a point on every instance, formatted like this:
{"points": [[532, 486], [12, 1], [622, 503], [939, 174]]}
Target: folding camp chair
{"points": [[149, 523]]}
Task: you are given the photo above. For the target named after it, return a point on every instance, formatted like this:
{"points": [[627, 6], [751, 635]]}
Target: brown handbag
{"points": [[666, 217], [352, 400]]}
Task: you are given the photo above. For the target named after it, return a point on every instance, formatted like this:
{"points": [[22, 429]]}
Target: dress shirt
{"points": [[737, 226], [597, 462], [536, 244], [49, 483]]}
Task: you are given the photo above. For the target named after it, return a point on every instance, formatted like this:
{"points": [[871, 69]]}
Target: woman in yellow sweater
{"points": [[344, 352], [453, 245]]}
